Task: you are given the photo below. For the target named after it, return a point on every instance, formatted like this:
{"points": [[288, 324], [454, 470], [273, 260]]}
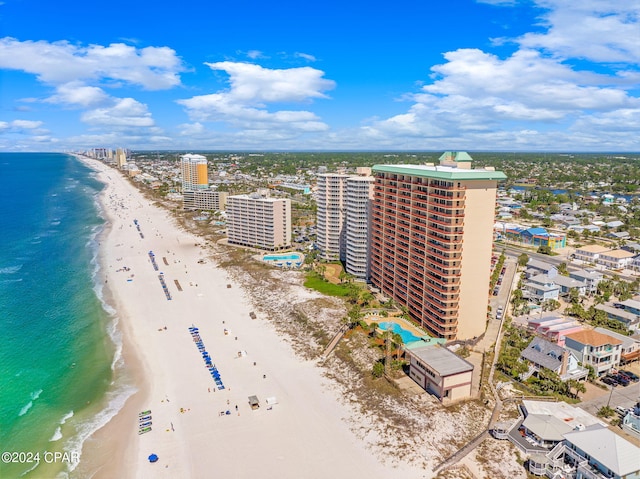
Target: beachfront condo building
{"points": [[194, 172], [259, 221], [342, 223], [209, 200], [121, 158], [331, 216], [431, 241], [358, 201]]}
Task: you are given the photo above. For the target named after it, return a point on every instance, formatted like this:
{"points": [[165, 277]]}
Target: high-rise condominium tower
{"points": [[431, 242], [330, 219], [194, 172], [258, 221], [358, 201], [121, 158], [342, 223]]}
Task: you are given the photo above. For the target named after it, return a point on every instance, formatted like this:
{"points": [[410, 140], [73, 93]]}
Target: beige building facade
{"points": [[259, 221], [210, 200]]}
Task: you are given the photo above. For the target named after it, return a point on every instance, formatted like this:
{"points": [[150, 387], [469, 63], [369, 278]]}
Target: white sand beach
{"points": [[306, 434]]}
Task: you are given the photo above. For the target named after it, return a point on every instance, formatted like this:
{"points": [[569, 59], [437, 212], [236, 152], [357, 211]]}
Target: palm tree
{"points": [[392, 341]]}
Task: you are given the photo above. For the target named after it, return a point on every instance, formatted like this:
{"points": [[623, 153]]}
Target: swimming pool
{"points": [[293, 257], [407, 336]]}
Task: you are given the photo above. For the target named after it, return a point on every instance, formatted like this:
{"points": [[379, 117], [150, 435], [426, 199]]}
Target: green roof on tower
{"points": [[455, 156]]}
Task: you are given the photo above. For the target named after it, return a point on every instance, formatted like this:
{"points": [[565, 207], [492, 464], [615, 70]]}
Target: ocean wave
{"points": [[116, 400], [25, 409], [56, 435], [11, 269]]}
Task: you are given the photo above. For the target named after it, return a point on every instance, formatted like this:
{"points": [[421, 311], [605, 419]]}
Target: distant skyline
{"points": [[554, 75]]}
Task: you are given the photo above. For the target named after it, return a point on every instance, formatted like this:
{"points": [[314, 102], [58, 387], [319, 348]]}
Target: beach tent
{"points": [[272, 400], [153, 458]]}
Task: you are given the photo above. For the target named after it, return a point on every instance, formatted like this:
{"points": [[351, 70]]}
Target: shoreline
{"points": [[306, 430], [104, 443]]}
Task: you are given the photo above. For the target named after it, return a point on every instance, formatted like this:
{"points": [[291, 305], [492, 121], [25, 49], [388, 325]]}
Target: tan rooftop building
{"points": [[590, 253]]}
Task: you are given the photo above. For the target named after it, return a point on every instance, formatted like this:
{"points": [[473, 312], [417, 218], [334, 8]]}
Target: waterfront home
{"points": [[599, 350], [542, 354]]}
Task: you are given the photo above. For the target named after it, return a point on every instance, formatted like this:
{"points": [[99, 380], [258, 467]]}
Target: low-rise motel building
{"points": [[440, 372]]}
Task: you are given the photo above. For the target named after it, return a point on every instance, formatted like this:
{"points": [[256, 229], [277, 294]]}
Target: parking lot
{"points": [[624, 396]]}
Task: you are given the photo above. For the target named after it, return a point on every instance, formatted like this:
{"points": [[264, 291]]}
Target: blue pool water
{"points": [[283, 257], [407, 336]]}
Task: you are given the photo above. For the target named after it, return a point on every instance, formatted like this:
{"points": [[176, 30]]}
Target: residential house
{"points": [[631, 424], [630, 348], [554, 328], [628, 318], [535, 267], [541, 288], [543, 354], [619, 235], [590, 277], [599, 350], [595, 453], [440, 372], [568, 283]]}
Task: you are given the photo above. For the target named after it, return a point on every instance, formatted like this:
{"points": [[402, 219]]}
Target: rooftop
{"points": [[619, 253], [593, 248], [441, 360], [547, 427], [608, 448], [441, 172], [593, 338]]}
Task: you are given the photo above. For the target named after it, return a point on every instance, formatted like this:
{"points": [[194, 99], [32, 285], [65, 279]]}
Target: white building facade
{"points": [[359, 194]]}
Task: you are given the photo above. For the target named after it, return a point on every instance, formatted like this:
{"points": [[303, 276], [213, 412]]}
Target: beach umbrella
{"points": [[153, 458]]}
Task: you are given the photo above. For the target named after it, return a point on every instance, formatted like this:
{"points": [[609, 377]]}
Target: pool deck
{"points": [[282, 262], [403, 323]]}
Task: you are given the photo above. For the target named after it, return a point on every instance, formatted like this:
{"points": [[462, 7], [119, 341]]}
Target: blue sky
{"points": [[511, 75]]}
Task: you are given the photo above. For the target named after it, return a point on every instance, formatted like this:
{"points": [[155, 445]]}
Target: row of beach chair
{"points": [[213, 370]]}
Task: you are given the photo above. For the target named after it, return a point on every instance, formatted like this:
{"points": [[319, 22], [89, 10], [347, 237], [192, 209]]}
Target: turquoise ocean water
{"points": [[59, 349]]}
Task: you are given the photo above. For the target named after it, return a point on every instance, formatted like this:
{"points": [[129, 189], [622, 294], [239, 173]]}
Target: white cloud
{"points": [[125, 112], [244, 104], [534, 98], [254, 54], [597, 30], [250, 82], [306, 56], [153, 68], [76, 93], [26, 124]]}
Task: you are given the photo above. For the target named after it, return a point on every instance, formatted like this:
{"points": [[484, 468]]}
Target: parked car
{"points": [[621, 379], [622, 411], [609, 380], [632, 377], [499, 313]]}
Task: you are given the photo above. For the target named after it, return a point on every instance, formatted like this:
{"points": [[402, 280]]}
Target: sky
{"points": [[409, 75]]}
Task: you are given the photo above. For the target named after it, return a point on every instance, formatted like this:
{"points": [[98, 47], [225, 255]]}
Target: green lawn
{"points": [[314, 281]]}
